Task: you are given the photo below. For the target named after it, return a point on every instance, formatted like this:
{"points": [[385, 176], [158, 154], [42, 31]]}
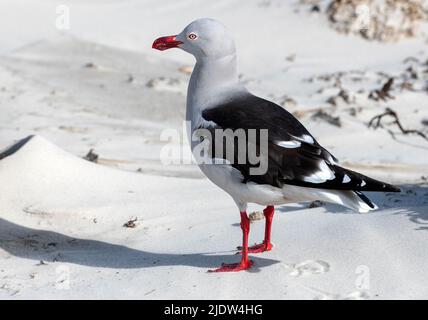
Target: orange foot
{"points": [[258, 248], [234, 267]]}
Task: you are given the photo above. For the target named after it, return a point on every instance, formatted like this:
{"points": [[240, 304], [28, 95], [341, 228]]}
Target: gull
{"points": [[292, 167]]}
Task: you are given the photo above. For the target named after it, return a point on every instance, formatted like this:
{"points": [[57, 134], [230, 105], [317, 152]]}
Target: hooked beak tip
{"points": [[164, 43]]}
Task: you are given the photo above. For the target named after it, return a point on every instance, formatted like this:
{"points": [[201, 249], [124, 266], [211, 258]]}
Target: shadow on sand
{"points": [[49, 246], [411, 202]]}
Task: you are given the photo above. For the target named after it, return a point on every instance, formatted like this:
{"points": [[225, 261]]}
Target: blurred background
{"points": [[83, 74]]}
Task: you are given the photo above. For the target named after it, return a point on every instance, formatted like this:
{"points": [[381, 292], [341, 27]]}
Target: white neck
{"points": [[211, 80]]}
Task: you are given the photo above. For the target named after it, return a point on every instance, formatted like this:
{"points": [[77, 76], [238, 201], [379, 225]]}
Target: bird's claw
{"points": [[234, 267]]}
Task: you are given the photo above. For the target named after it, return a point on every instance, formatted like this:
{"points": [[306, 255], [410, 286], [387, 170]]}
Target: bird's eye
{"points": [[192, 36]]}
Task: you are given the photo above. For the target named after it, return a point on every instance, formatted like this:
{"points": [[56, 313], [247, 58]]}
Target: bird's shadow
{"points": [[412, 202], [50, 246], [329, 207]]}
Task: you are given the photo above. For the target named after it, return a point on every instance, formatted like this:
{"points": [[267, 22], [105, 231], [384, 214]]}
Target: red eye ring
{"points": [[192, 36]]}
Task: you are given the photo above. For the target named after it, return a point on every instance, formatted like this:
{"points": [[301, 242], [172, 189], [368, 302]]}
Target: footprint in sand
{"points": [[308, 267], [357, 295]]}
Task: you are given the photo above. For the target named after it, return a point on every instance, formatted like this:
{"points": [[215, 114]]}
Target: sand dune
{"points": [[62, 228]]}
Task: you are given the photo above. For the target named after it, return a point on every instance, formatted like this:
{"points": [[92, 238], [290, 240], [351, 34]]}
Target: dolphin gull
{"points": [[292, 166]]}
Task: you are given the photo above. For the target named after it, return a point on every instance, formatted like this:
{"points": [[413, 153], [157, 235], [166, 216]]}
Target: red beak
{"points": [[164, 43]]}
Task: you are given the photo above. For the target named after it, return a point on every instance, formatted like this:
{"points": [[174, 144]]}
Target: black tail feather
{"points": [[360, 182], [365, 199]]}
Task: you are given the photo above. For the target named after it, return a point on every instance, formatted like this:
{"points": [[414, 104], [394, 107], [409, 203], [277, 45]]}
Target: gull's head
{"points": [[204, 38]]}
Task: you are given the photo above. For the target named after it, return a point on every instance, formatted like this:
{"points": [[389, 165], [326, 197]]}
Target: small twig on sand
{"points": [[375, 123], [316, 204], [335, 121], [383, 94], [131, 223], [91, 156]]}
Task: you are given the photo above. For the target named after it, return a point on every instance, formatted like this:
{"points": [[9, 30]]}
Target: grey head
{"points": [[203, 38]]}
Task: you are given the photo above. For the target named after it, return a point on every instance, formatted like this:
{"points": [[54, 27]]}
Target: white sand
{"points": [[69, 213]]}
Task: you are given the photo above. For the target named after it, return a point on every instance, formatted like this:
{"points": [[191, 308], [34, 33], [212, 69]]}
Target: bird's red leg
{"points": [[266, 245], [245, 262]]}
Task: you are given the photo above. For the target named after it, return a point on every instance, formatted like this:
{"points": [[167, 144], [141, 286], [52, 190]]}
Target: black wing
{"points": [[294, 156]]}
